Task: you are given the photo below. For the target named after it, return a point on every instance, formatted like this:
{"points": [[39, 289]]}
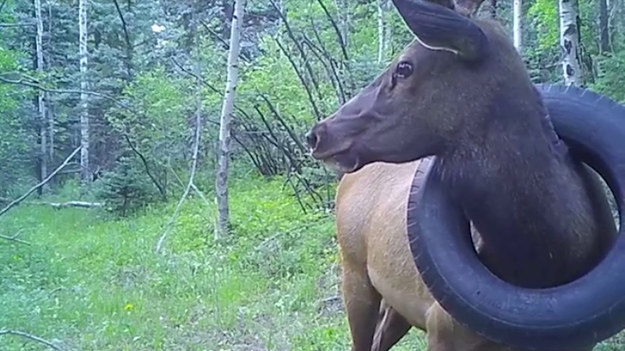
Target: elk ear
{"points": [[441, 28]]}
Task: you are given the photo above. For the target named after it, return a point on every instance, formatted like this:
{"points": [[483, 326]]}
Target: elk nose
{"points": [[311, 139]]}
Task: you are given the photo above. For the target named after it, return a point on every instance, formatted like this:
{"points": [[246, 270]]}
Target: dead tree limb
{"points": [[127, 38], [299, 47], [333, 62], [30, 337], [158, 185], [208, 85], [42, 183], [226, 45], [21, 81], [15, 238], [331, 71], [288, 129], [301, 78], [81, 204], [196, 147], [336, 29]]}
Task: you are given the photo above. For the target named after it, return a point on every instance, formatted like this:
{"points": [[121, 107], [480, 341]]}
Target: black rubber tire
{"points": [[571, 316]]}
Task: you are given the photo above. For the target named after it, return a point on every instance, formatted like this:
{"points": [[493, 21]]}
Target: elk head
{"points": [[443, 80]]}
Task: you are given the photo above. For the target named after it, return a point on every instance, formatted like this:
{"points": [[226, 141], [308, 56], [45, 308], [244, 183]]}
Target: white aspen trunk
{"points": [[49, 109], [84, 111], [384, 29], [221, 182], [41, 104], [569, 40], [604, 28], [381, 37], [518, 15], [618, 19]]}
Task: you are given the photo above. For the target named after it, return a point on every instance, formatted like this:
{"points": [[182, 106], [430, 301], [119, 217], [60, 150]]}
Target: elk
{"points": [[459, 105]]}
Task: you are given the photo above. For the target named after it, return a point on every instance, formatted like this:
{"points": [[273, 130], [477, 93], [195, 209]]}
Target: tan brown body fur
{"points": [[460, 92], [378, 268]]}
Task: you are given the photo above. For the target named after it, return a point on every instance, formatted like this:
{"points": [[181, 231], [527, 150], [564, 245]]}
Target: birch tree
{"points": [[84, 111], [221, 182], [604, 33], [569, 40], [516, 26], [41, 105], [381, 31]]}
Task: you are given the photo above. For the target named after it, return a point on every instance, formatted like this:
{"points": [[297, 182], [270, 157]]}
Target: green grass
{"points": [[89, 282]]}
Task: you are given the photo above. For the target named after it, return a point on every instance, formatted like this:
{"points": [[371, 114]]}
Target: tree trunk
{"points": [[49, 105], [41, 105], [569, 40], [381, 41], [84, 106], [616, 23], [604, 43], [517, 30], [221, 183]]}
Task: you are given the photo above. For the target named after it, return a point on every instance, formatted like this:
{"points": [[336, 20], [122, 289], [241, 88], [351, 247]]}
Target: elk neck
{"points": [[518, 184]]}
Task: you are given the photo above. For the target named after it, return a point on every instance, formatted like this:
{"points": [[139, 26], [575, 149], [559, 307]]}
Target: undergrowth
{"points": [[88, 281]]}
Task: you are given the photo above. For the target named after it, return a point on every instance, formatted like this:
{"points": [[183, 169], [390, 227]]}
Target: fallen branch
{"points": [[14, 238], [42, 183], [30, 337], [23, 82], [158, 185], [81, 204]]}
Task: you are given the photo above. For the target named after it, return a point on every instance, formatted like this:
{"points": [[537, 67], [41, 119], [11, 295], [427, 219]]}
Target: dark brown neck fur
{"points": [[525, 195]]}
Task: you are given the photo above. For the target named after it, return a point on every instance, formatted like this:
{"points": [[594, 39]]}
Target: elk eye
{"points": [[403, 70]]}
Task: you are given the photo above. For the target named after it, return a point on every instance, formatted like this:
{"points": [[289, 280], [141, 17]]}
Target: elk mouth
{"points": [[338, 152], [344, 160]]}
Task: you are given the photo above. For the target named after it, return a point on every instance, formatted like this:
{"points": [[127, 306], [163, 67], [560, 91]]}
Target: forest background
{"points": [[132, 232]]}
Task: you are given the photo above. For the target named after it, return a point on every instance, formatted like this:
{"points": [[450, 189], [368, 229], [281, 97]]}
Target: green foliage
{"points": [[91, 283], [610, 80], [543, 14], [126, 188], [91, 279], [15, 142]]}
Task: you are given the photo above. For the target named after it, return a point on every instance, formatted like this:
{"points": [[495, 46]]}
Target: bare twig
{"points": [[12, 25], [30, 337], [195, 188], [336, 29], [81, 204], [127, 38], [158, 185], [205, 83], [301, 78], [42, 183], [14, 238], [288, 129], [333, 75], [21, 81], [196, 147], [242, 56], [2, 5], [298, 45]]}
